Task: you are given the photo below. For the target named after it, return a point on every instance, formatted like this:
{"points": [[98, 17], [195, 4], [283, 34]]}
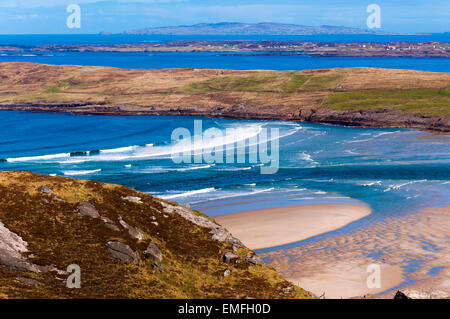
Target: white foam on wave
{"points": [[372, 137], [398, 186], [86, 172], [235, 194], [248, 132], [38, 158], [371, 183], [189, 193], [191, 168]]}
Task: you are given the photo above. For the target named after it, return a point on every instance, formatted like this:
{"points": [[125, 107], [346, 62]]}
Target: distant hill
{"points": [[235, 28]]}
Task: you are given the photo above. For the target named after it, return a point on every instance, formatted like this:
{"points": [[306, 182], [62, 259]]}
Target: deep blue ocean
{"points": [[238, 60]]}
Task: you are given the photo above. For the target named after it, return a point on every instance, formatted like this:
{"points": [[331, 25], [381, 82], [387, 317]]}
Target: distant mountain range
{"points": [[235, 28]]}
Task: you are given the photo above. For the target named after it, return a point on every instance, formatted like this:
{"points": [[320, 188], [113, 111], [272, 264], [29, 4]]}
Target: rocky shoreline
{"points": [[380, 118]]}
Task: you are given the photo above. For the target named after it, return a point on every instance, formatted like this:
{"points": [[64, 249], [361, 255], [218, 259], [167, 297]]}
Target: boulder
{"points": [[133, 199], [123, 252], [419, 294], [153, 252], [109, 223], [228, 257], [28, 281], [253, 259], [46, 190], [87, 209], [134, 232], [11, 248], [400, 295]]}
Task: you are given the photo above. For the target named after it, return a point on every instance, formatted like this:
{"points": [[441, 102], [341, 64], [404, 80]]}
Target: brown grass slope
{"points": [[57, 235], [350, 96]]}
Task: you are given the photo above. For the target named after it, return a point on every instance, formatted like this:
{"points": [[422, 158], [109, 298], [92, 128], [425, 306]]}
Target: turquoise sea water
{"points": [[394, 171]]}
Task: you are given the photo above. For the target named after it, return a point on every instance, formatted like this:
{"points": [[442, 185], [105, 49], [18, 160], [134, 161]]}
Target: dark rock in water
{"points": [[159, 266], [46, 190], [78, 154], [153, 252], [124, 252], [87, 209], [229, 257], [255, 260], [400, 295], [27, 281]]}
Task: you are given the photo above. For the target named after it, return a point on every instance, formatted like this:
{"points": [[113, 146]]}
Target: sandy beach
{"points": [[412, 252], [278, 226]]}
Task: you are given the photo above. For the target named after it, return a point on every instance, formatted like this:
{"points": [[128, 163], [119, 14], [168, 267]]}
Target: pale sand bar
{"points": [[278, 226]]}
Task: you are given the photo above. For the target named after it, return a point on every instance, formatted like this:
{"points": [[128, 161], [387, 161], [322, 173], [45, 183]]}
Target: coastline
{"points": [[365, 97], [380, 118], [273, 227]]}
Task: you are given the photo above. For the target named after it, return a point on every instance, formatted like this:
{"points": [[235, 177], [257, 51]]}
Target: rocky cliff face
{"points": [[126, 244]]}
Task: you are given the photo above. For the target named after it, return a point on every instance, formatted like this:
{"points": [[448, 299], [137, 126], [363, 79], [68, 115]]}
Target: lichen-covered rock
{"points": [[133, 199], [134, 232], [87, 209], [253, 259], [218, 232], [153, 252], [228, 257], [11, 248], [124, 252], [109, 223], [28, 281], [46, 190]]}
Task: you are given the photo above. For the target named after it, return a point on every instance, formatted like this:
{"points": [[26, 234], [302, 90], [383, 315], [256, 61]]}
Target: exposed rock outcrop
{"points": [[218, 232], [87, 209], [133, 199], [153, 252], [229, 257], [46, 190], [124, 252], [134, 232]]}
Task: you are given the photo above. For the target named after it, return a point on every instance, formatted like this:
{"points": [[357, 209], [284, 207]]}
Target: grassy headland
{"points": [[350, 96], [56, 234]]}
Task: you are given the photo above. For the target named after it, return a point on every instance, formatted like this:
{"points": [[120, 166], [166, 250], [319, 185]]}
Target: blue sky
{"points": [[49, 16]]}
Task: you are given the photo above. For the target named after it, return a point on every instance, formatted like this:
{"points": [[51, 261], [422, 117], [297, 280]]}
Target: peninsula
{"points": [[323, 49], [348, 96]]}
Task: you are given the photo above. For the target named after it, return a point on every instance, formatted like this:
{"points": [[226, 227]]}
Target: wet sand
{"points": [[278, 226], [413, 251]]}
